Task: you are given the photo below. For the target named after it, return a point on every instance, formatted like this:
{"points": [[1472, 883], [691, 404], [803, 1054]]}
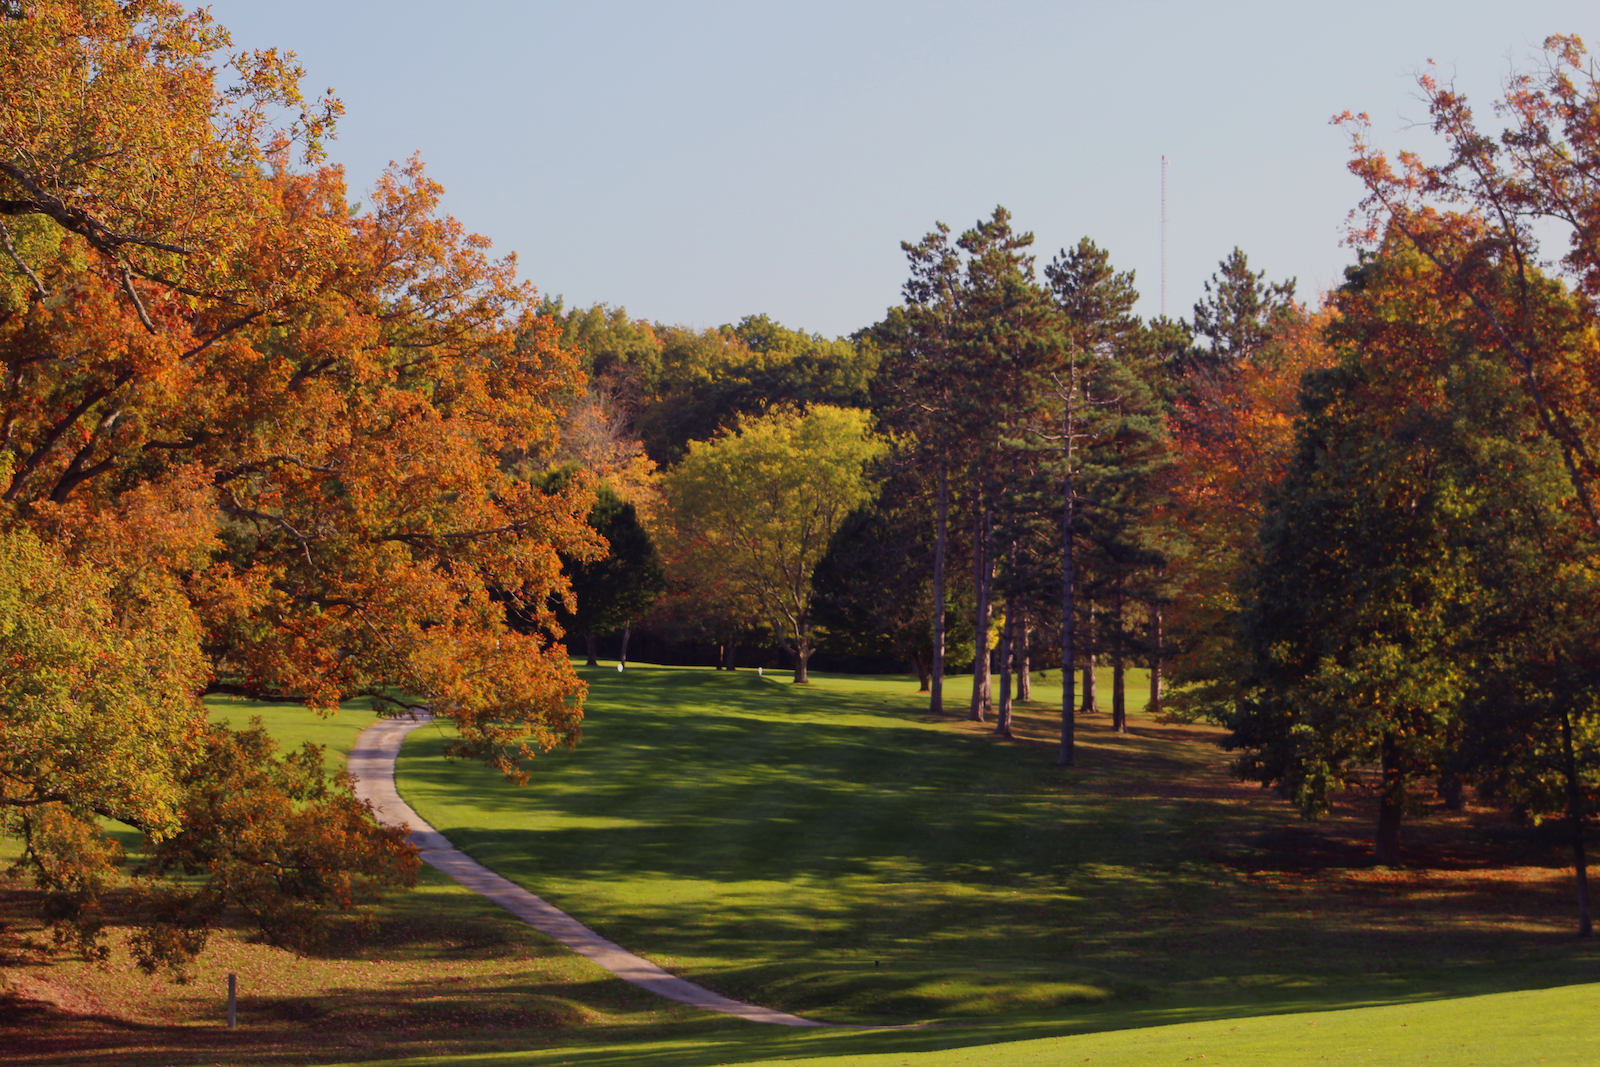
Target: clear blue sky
{"points": [[695, 162]]}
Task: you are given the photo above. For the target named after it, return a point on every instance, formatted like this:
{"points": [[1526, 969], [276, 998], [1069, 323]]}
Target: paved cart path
{"points": [[372, 762]]}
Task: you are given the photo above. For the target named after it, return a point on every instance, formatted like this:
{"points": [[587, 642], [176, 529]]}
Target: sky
{"points": [[697, 162]]}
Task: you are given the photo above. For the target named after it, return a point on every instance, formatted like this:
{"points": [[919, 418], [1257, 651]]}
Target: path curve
{"points": [[372, 763]]}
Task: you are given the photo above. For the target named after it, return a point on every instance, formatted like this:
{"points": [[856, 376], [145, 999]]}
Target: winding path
{"points": [[372, 763]]}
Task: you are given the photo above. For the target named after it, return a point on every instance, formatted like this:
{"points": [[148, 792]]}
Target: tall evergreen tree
{"points": [[923, 393], [1236, 313]]}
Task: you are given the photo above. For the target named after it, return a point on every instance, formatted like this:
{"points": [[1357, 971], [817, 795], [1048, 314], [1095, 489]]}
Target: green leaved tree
{"points": [[757, 507], [616, 591]]}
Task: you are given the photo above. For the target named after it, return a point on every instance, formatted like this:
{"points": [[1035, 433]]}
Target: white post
{"points": [[233, 1002]]}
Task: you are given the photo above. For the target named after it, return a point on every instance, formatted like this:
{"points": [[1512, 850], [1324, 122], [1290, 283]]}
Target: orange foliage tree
{"points": [[238, 397], [1233, 437], [1476, 216]]}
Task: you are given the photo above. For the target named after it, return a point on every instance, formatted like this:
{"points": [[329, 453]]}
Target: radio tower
{"points": [[1163, 236]]}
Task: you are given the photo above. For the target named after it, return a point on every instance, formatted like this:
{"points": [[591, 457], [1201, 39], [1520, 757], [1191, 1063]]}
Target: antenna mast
{"points": [[1163, 236]]}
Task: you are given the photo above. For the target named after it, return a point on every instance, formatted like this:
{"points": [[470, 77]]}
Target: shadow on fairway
{"points": [[832, 851]]}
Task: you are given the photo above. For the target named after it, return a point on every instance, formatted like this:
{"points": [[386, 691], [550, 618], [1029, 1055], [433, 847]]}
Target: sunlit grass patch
{"points": [[835, 850]]}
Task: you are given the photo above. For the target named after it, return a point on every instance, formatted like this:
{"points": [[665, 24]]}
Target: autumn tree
{"points": [[278, 838], [1477, 214], [598, 430], [1476, 217], [1233, 442], [280, 419], [760, 504]]}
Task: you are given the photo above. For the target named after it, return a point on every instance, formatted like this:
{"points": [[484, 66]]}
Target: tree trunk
{"points": [[1157, 651], [1119, 700], [591, 645], [1007, 635], [923, 663], [1069, 621], [1024, 668], [1450, 791], [1090, 705], [982, 574], [622, 661], [732, 662], [1391, 807], [802, 653], [1580, 862], [936, 694]]}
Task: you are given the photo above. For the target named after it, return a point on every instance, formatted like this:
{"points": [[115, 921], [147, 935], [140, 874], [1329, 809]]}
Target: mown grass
{"points": [[1554, 1027], [445, 972], [836, 851], [832, 850]]}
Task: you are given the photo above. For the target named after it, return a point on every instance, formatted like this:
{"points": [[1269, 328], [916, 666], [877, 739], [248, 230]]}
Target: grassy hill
{"points": [[834, 850]]}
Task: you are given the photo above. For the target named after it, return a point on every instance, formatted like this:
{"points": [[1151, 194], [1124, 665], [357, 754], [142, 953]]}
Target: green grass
{"points": [[833, 851], [1555, 1027], [290, 723], [293, 724]]}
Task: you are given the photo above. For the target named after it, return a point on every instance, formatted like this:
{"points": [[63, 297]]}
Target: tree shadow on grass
{"points": [[772, 844]]}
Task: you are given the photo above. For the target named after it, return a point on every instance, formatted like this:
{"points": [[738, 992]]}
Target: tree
{"points": [[620, 355], [98, 700], [760, 504], [99, 717], [709, 379], [112, 130], [1420, 509], [281, 426], [873, 587], [1536, 172], [617, 590], [1096, 302], [621, 359], [1353, 613], [1237, 312], [919, 393], [279, 839], [1113, 443], [1007, 333], [1233, 442], [1476, 218], [303, 424]]}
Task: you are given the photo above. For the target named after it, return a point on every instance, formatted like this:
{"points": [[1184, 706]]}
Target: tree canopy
{"points": [[259, 431], [760, 504]]}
